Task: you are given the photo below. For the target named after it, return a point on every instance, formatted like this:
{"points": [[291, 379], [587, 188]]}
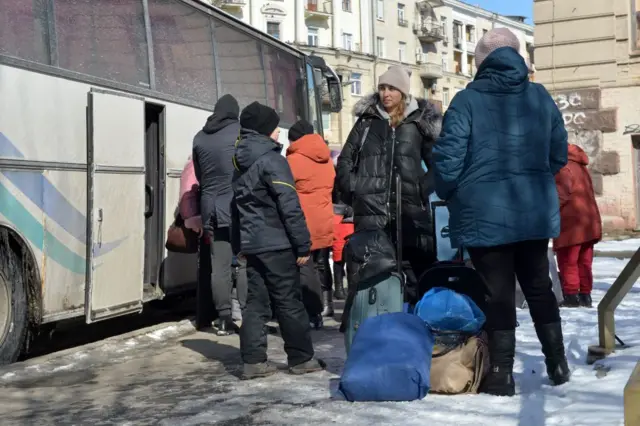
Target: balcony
{"points": [[431, 70], [429, 4], [403, 22], [471, 46], [230, 4], [318, 9], [429, 32]]}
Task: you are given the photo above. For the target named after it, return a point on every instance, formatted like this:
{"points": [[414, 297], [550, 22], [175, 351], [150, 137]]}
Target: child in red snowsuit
{"points": [[581, 229], [343, 227]]}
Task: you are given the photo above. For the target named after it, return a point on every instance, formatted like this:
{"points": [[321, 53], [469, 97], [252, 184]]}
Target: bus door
{"points": [[116, 200]]}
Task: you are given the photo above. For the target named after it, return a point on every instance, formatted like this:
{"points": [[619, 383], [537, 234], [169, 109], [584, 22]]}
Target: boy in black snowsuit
{"points": [[271, 233]]}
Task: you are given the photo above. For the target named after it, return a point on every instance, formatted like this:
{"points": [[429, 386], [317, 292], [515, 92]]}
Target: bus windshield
{"points": [[313, 91]]}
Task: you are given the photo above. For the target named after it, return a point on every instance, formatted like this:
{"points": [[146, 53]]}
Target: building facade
{"points": [[588, 57], [360, 39]]}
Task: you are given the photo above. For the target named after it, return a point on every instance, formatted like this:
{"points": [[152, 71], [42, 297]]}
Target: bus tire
{"points": [[13, 307]]}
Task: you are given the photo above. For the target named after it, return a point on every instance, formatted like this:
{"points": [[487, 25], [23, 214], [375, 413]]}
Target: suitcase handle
{"points": [[434, 206]]}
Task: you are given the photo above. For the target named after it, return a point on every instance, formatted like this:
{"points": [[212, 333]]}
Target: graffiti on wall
{"points": [[587, 122]]}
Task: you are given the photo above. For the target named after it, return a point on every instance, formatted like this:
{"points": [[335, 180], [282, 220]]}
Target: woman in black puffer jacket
{"points": [[394, 133]]}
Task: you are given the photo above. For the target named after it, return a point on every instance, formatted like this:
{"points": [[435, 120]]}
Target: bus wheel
{"points": [[13, 307]]}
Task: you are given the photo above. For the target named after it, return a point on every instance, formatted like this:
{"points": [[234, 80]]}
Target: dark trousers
{"points": [[275, 276], [311, 288], [499, 267], [321, 264], [414, 263], [338, 274], [222, 273]]}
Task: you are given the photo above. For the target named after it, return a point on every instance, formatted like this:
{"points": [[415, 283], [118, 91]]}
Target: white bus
{"points": [[99, 103]]}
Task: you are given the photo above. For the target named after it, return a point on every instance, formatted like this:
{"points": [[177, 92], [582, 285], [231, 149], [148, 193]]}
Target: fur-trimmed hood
{"points": [[429, 119]]}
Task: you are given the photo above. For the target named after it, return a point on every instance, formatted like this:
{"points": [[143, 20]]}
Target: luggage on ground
{"points": [[375, 277], [459, 363], [389, 360], [460, 358]]}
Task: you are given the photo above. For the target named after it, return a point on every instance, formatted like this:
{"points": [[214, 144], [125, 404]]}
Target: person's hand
{"points": [[302, 260], [240, 256], [195, 224]]}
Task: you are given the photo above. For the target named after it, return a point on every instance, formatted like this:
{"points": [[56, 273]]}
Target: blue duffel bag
{"points": [[444, 310], [390, 360]]}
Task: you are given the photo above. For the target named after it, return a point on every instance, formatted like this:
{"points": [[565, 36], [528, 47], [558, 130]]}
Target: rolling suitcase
{"points": [[375, 275]]}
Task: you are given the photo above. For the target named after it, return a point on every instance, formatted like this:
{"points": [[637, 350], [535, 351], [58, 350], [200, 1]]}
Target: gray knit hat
{"points": [[495, 39], [398, 77]]}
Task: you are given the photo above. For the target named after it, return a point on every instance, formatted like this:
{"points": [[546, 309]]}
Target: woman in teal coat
{"points": [[502, 141]]}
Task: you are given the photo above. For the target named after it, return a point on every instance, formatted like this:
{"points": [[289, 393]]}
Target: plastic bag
{"points": [[445, 310]]}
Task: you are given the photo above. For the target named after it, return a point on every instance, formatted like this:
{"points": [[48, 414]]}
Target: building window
{"points": [[312, 36], [470, 33], [326, 120], [356, 85], [273, 29], [347, 41], [457, 34], [402, 21], [402, 51], [380, 10], [635, 27], [346, 5], [380, 46], [445, 96]]}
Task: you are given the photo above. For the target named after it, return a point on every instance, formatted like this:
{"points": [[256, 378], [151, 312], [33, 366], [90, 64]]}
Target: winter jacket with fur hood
{"points": [[367, 169]]}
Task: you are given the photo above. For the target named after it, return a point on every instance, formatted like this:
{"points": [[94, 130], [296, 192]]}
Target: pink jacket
{"points": [[188, 204]]}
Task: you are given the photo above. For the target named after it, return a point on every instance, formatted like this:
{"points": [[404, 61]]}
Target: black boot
{"points": [[502, 350], [327, 303], [550, 336], [570, 301], [338, 281], [585, 300]]}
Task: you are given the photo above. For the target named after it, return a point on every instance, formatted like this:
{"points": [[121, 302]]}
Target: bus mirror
{"points": [[335, 95]]}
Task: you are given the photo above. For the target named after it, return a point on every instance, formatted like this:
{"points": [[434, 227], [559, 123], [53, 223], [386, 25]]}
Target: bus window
{"points": [[104, 39], [282, 71], [240, 68], [313, 101], [24, 32], [182, 51]]}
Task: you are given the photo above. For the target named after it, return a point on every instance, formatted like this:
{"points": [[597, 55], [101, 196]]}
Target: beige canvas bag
{"points": [[459, 368]]}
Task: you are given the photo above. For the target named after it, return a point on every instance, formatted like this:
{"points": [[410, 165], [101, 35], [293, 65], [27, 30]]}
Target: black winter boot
{"points": [[550, 336], [327, 303], [570, 301], [585, 300], [338, 281], [502, 350]]}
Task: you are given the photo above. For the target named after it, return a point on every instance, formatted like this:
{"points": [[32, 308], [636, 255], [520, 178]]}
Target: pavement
{"points": [[182, 378]]}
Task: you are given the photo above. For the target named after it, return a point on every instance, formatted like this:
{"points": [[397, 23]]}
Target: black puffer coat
{"points": [[370, 187]]}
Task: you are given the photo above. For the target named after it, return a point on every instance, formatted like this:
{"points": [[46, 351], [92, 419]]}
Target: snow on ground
{"points": [[586, 400], [631, 245]]}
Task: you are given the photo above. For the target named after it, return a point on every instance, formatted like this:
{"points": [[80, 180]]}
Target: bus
{"points": [[99, 104]]}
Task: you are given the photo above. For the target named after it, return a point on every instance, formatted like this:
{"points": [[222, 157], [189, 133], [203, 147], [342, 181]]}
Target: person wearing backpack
{"points": [[394, 133], [502, 142], [580, 229]]}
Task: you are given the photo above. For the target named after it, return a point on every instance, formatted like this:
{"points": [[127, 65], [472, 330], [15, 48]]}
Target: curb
{"points": [[622, 254], [144, 337]]}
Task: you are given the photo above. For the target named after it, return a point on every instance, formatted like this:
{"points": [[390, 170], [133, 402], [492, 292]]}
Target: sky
{"points": [[507, 7]]}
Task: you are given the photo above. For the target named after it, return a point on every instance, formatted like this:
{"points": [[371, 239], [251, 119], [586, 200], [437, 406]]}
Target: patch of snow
{"points": [[594, 396], [162, 333], [631, 244], [7, 376]]}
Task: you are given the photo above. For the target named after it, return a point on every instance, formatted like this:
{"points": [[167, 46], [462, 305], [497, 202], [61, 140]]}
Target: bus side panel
{"points": [[43, 119]]}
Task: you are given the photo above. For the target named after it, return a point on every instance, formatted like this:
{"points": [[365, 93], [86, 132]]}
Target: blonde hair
{"points": [[397, 115]]}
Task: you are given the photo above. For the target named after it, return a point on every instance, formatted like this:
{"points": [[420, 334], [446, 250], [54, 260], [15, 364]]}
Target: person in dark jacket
{"points": [[271, 233], [400, 132], [580, 229], [502, 141], [213, 149]]}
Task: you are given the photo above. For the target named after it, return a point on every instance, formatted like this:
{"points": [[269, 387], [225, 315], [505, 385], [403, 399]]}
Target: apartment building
{"points": [[360, 39], [588, 57]]}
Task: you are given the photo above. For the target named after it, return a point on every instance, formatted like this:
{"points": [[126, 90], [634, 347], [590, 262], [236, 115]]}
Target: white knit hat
{"points": [[493, 40], [398, 77]]}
